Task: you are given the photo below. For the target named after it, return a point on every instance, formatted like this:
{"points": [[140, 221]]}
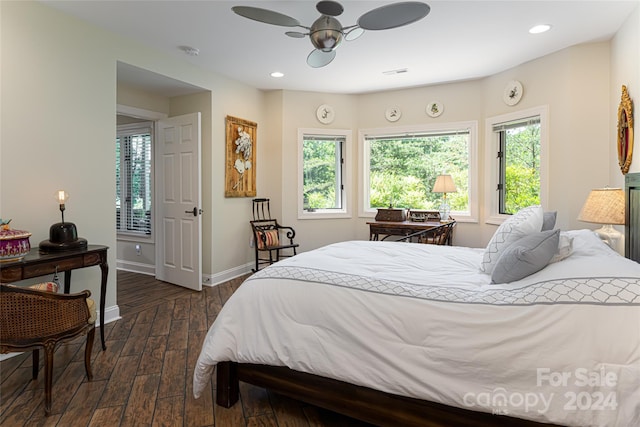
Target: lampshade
{"points": [[444, 184], [604, 206]]}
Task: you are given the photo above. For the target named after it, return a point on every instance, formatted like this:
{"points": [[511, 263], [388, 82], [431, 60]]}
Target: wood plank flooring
{"points": [[144, 377]]}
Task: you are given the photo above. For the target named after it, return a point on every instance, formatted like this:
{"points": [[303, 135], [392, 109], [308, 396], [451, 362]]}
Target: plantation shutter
{"points": [[133, 178]]}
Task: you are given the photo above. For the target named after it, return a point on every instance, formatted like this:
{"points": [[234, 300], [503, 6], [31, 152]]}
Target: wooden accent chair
{"points": [[268, 236], [440, 235], [31, 318]]}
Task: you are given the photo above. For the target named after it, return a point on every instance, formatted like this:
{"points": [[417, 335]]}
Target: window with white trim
{"points": [[322, 173], [518, 164], [400, 166], [517, 148], [133, 178]]}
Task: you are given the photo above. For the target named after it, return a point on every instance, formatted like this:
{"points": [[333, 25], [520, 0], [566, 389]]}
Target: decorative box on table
{"points": [[14, 244], [391, 214], [423, 216]]}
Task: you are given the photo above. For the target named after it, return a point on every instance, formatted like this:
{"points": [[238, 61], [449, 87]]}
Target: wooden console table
{"points": [[36, 264], [398, 228]]}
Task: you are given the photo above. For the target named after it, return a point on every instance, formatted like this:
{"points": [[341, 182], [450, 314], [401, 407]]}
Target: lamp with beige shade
{"points": [[444, 184], [605, 206]]}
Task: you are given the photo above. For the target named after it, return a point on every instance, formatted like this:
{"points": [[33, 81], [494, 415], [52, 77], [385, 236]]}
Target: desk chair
{"points": [[33, 318]]}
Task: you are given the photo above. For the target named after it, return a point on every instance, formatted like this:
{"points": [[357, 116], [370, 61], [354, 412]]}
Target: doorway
{"points": [[138, 87]]}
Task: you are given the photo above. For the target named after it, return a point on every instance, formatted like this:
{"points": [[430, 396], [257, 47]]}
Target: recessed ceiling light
{"points": [[542, 28], [277, 74]]}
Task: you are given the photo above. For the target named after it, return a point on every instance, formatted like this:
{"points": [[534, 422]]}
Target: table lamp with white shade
{"points": [[605, 206], [444, 184]]}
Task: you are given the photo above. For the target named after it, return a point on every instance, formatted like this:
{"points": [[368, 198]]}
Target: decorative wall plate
{"points": [[393, 114], [512, 92], [434, 108], [325, 114]]}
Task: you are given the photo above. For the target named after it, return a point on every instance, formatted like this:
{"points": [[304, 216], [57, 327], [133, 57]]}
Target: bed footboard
{"points": [[362, 403]]}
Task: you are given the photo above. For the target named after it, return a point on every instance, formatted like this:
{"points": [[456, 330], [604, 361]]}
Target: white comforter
{"points": [[562, 345]]}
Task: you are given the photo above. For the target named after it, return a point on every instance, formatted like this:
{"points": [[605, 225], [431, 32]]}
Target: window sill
{"points": [[134, 237], [323, 214], [496, 219]]}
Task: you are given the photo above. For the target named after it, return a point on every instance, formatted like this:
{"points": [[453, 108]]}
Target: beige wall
{"points": [[573, 83], [56, 69], [625, 70]]}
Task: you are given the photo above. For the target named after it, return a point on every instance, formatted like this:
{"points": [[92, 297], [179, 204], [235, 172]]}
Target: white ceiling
{"points": [[458, 40]]}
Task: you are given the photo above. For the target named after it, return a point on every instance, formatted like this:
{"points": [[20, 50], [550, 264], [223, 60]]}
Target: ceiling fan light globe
{"points": [[326, 33]]}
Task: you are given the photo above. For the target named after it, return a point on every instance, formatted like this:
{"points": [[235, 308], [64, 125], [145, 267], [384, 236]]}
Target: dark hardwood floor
{"points": [[145, 376]]}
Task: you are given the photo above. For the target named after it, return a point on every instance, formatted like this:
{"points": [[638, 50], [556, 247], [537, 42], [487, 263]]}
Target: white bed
{"points": [[423, 321]]}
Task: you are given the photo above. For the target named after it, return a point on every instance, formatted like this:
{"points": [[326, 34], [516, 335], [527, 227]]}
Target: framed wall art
{"points": [[624, 141], [240, 168]]}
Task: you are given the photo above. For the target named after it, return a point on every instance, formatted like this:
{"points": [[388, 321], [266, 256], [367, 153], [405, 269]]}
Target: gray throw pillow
{"points": [[526, 256], [524, 222], [549, 220]]}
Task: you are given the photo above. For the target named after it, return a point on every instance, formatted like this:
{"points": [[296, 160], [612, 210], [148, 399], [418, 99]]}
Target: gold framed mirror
{"points": [[625, 131]]}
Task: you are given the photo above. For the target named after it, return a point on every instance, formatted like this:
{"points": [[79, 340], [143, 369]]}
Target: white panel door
{"points": [[179, 200]]}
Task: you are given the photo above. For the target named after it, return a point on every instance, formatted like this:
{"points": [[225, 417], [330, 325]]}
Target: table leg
{"points": [[67, 281], [104, 268]]}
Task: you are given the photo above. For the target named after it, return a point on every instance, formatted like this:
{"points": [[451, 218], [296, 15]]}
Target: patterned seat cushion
{"points": [[271, 237], [45, 286]]}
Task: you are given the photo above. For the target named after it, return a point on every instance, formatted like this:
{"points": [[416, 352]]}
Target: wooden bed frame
{"points": [[381, 408], [365, 404]]}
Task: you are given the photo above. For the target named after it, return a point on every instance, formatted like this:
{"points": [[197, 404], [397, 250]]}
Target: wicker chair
{"points": [[30, 319]]}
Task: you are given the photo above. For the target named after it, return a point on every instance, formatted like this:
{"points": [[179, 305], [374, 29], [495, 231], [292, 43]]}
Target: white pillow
{"points": [[565, 248], [526, 221]]}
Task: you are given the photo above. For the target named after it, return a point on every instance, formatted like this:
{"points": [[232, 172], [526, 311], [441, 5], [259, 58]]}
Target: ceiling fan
{"points": [[327, 33]]}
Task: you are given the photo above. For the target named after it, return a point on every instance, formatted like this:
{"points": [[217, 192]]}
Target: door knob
{"points": [[194, 212]]}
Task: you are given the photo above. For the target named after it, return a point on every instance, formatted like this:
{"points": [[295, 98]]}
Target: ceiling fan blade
{"points": [[266, 16], [319, 58], [353, 33], [296, 34], [393, 15], [328, 7]]}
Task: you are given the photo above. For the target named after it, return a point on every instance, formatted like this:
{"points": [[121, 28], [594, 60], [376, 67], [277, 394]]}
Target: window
{"points": [[322, 156], [399, 168], [133, 178], [517, 156], [518, 164]]}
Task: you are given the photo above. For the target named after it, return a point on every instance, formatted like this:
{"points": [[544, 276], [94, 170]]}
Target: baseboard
{"points": [[207, 279], [223, 276], [136, 267], [111, 314]]}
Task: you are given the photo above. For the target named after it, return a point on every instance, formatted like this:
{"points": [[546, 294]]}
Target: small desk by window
{"points": [[399, 228]]}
